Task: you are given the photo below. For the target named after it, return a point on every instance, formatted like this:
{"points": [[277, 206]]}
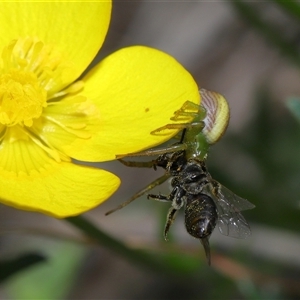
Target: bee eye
{"points": [[217, 115]]}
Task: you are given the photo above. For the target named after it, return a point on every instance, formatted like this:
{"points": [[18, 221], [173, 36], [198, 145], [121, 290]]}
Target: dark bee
{"points": [[206, 202]]}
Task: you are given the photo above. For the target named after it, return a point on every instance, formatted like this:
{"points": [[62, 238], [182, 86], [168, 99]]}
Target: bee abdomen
{"points": [[200, 215]]}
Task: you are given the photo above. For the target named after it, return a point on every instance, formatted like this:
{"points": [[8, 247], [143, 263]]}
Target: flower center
{"points": [[22, 99], [40, 118]]}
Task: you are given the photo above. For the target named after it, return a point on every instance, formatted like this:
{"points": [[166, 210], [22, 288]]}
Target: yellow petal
{"points": [[74, 29], [35, 177], [137, 90], [65, 190]]}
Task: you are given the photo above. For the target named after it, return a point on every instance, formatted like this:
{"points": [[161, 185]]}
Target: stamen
{"points": [[55, 154], [72, 89], [31, 55], [37, 123], [21, 98], [72, 128]]}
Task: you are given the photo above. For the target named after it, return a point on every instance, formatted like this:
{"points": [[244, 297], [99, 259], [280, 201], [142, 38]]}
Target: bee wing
{"points": [[233, 224], [230, 221], [237, 202]]}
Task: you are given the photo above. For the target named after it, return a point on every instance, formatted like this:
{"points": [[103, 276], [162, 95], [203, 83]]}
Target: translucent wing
{"points": [[230, 221]]}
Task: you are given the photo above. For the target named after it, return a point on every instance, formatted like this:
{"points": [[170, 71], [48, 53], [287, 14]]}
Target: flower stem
{"points": [[140, 257]]}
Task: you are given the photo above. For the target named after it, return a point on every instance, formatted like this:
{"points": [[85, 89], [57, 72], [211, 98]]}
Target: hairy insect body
{"points": [[206, 202], [201, 219], [200, 215]]}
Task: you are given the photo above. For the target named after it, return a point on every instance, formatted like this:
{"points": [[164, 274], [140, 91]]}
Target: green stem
{"points": [[136, 256]]}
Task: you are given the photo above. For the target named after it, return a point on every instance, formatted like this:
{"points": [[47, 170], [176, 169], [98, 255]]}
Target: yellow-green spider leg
{"points": [[149, 187], [154, 152], [188, 111]]}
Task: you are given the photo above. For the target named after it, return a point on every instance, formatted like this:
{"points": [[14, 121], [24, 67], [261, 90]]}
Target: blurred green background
{"points": [[250, 53]]}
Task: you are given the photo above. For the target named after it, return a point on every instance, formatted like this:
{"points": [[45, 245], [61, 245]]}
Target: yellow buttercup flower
{"points": [[48, 117]]}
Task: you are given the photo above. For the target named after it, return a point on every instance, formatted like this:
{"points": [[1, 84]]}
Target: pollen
{"points": [[22, 99]]}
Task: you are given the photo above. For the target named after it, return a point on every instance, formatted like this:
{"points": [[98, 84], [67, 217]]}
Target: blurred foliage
{"points": [[12, 266], [278, 36], [144, 258], [291, 7], [294, 105], [50, 280], [271, 142]]}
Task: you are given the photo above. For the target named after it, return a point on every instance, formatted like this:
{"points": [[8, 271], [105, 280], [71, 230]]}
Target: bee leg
{"points": [[205, 243], [176, 197], [149, 187], [159, 197], [171, 214], [170, 219]]}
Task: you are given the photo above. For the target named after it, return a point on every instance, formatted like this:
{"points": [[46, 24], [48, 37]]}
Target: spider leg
{"points": [[137, 164], [149, 187], [189, 110], [153, 152], [191, 113], [180, 126]]}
